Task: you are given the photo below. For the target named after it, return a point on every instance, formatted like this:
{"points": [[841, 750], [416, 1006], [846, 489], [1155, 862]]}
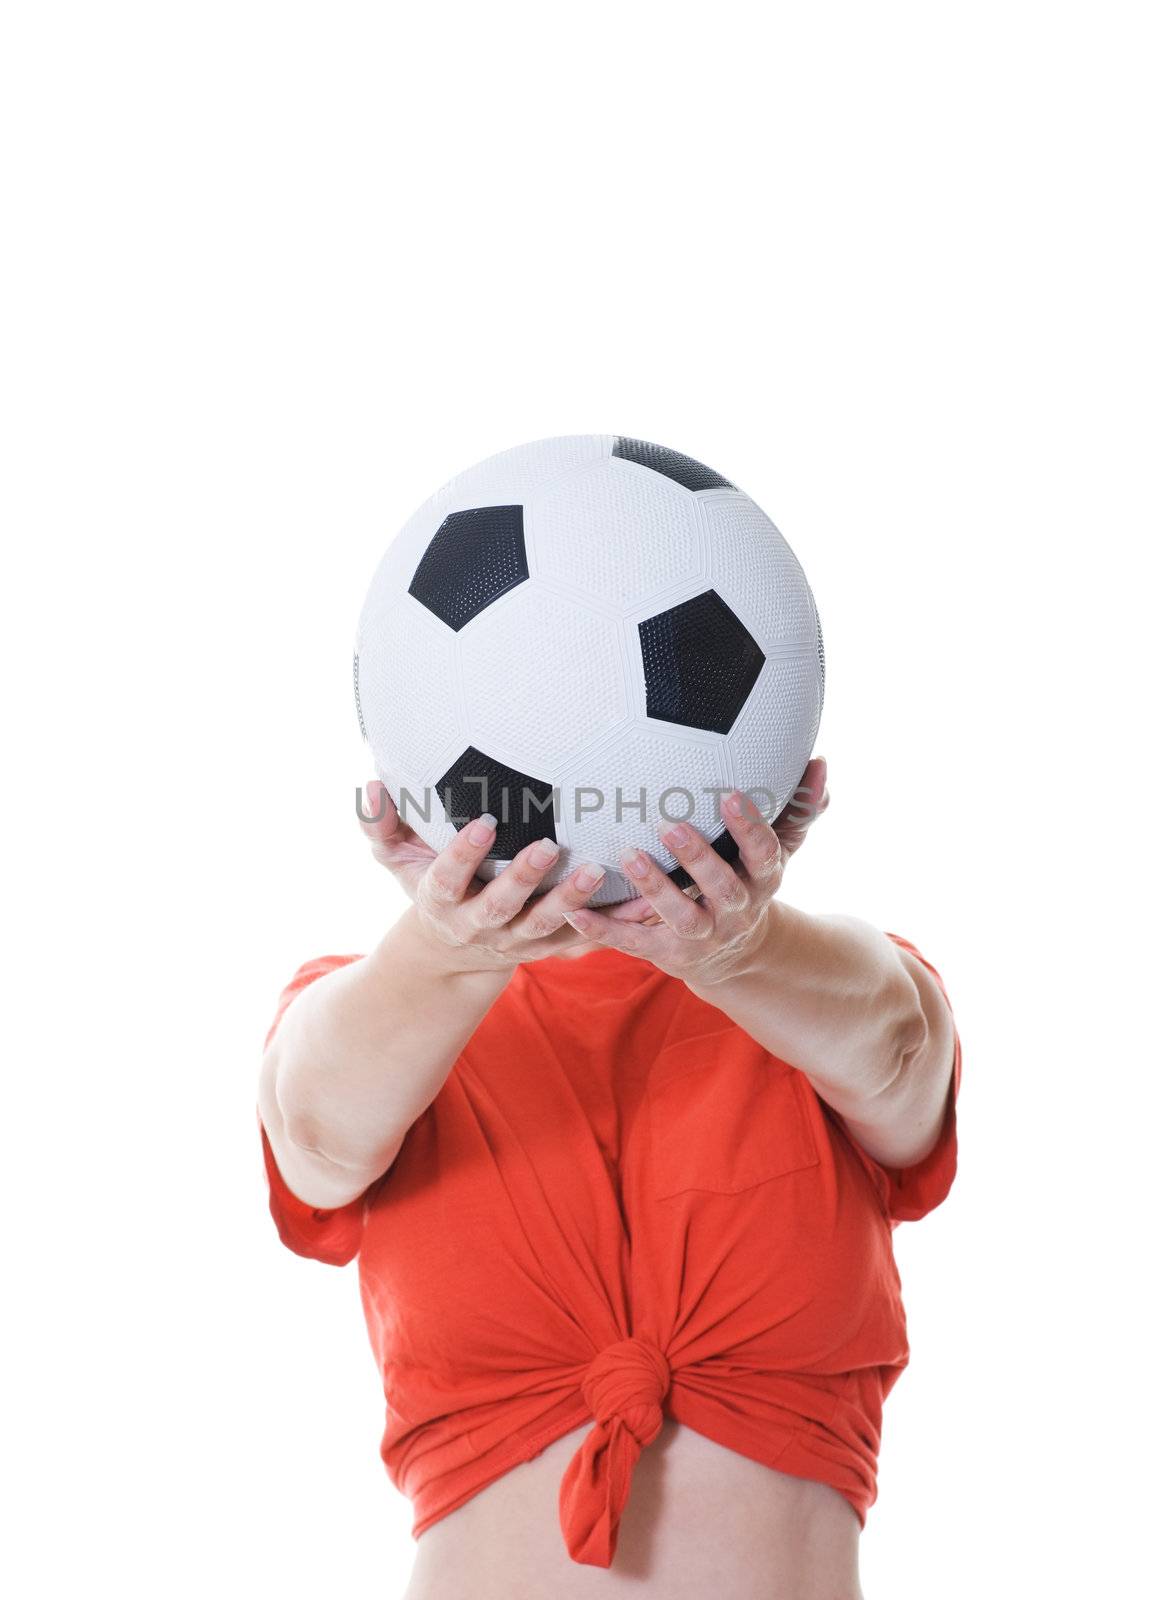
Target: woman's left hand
{"points": [[704, 940]]}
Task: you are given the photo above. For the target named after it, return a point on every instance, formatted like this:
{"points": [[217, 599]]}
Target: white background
{"points": [[274, 272]]}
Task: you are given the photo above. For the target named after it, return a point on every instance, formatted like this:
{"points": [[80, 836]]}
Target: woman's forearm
{"points": [[363, 1051], [858, 1016]]}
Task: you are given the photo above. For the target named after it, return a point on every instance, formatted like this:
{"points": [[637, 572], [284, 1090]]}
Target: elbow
{"points": [[284, 1110], [905, 1034], [912, 1030], [296, 1107], [301, 1117], [304, 1131]]}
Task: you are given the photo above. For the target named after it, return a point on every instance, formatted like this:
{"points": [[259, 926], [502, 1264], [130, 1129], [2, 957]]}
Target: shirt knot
{"points": [[624, 1388], [628, 1380]]}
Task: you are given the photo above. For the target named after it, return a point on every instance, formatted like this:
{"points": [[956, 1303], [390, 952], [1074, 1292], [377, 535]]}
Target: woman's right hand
{"points": [[485, 926]]}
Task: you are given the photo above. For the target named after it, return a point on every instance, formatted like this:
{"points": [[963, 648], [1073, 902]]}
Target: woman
{"points": [[622, 1185]]}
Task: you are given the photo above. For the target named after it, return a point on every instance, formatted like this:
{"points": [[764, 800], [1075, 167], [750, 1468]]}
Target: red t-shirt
{"points": [[619, 1206]]}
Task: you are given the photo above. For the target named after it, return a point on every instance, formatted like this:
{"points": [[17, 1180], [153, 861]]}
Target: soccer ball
{"points": [[588, 637]]}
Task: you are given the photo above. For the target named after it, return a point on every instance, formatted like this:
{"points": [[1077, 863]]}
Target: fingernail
{"points": [[675, 838], [635, 863], [482, 830], [544, 852], [586, 877], [735, 803]]}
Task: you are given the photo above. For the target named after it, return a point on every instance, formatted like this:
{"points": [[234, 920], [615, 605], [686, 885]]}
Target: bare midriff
{"points": [[702, 1522]]}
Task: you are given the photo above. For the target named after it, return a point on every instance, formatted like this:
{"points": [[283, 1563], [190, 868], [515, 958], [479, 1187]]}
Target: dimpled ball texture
{"points": [[588, 636]]}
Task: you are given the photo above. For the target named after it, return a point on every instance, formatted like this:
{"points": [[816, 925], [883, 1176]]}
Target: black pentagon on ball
{"points": [[679, 468], [699, 663], [472, 559], [522, 805]]}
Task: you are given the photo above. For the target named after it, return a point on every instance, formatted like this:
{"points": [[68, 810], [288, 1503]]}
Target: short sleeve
{"points": [[329, 1236], [910, 1192]]}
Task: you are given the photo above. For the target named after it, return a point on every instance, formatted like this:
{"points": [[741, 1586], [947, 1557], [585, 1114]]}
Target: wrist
{"points": [[760, 952]]}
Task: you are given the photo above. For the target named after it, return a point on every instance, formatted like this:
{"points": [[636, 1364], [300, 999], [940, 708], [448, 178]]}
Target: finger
{"points": [[382, 824], [451, 872], [500, 901], [599, 928], [394, 844], [807, 798], [377, 813], [808, 801], [761, 851], [679, 911], [714, 877], [547, 914], [636, 910]]}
